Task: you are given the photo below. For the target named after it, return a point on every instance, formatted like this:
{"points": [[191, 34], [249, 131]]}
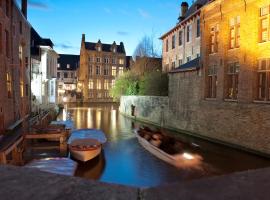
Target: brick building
{"points": [[225, 96], [100, 64], [14, 63], [146, 64], [67, 77], [182, 43]]}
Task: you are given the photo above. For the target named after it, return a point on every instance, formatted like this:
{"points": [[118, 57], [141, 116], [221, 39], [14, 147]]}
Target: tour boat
{"points": [[167, 148], [84, 149], [86, 144]]}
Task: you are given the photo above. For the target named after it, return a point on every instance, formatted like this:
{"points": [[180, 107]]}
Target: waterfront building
{"points": [[67, 77], [14, 63], [224, 96], [100, 65], [43, 72], [182, 44]]}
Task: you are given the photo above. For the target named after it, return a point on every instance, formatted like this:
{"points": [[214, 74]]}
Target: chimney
{"points": [[24, 8], [184, 9], [83, 41]]}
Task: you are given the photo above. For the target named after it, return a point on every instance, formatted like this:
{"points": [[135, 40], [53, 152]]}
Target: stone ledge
{"points": [[23, 184]]}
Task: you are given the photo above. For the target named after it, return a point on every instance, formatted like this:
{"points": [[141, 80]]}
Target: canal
{"points": [[125, 161]]}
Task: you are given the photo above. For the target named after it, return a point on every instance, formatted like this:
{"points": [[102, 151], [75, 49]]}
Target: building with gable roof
{"points": [[100, 65]]}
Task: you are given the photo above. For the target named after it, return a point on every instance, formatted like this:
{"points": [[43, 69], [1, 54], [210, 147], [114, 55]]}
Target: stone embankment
{"points": [[23, 184]]}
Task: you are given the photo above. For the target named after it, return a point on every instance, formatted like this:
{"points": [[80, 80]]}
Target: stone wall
{"points": [[147, 108], [243, 125]]}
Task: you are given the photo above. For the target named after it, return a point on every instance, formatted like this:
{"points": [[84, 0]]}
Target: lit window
{"points": [[212, 82], [9, 87], [58, 65], [99, 84], [121, 61], [235, 32], [173, 41], [21, 55], [113, 82], [214, 39], [91, 84], [97, 70], [21, 88], [263, 77], [68, 66], [114, 72], [106, 84], [121, 70], [264, 24], [232, 80]]}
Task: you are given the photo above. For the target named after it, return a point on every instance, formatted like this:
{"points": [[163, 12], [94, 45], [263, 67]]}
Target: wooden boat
{"points": [[86, 144], [85, 149], [167, 149]]}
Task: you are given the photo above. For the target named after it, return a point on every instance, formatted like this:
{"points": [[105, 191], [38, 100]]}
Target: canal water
{"points": [[125, 161]]}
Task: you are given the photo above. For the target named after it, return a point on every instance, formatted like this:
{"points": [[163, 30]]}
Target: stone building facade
{"points": [[100, 64], [14, 63], [146, 64], [67, 77], [182, 43], [224, 95]]}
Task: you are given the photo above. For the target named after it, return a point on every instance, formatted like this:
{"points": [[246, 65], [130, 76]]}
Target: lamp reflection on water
{"points": [[89, 119], [98, 119]]}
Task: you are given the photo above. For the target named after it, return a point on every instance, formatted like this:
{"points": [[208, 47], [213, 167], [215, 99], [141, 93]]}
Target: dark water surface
{"points": [[125, 161]]}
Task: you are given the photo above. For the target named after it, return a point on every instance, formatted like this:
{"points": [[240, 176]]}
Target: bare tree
{"points": [[147, 47]]}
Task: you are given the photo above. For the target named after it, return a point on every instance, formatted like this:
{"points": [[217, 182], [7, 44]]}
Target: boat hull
{"points": [[85, 155]]}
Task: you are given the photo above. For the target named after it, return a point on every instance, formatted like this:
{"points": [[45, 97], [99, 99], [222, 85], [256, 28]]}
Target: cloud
{"points": [[108, 10], [38, 5], [122, 33], [143, 13], [65, 46]]}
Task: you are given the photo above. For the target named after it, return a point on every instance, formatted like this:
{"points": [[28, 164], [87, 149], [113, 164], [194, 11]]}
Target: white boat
{"points": [[85, 149], [181, 159], [86, 144]]}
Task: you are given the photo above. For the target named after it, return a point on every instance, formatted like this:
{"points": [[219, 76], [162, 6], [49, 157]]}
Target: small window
{"points": [[114, 70], [180, 38], [173, 41], [97, 70], [98, 60], [167, 45], [91, 84], [198, 28]]}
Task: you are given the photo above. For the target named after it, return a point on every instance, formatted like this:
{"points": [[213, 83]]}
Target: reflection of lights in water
{"points": [[89, 119], [98, 118], [188, 156], [113, 123], [78, 118]]}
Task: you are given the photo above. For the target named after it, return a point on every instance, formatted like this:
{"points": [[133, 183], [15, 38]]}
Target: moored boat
{"points": [[86, 144], [167, 148], [85, 149]]}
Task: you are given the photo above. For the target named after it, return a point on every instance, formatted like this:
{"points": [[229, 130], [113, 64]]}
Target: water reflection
{"points": [[125, 161]]}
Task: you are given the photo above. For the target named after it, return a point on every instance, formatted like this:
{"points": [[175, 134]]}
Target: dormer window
{"points": [[99, 48], [68, 66], [114, 49], [58, 65]]}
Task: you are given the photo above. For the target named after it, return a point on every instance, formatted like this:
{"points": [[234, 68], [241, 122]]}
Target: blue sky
{"points": [[64, 21]]}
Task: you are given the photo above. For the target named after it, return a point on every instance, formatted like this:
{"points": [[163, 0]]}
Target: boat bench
{"points": [[11, 143]]}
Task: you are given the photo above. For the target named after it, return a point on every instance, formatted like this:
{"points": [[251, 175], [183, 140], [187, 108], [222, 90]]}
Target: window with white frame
{"points": [[106, 84], [106, 70], [232, 80], [97, 70], [114, 70], [99, 84], [173, 41], [264, 23], [263, 77], [91, 84], [189, 33], [212, 82], [214, 39], [120, 70], [235, 32]]}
